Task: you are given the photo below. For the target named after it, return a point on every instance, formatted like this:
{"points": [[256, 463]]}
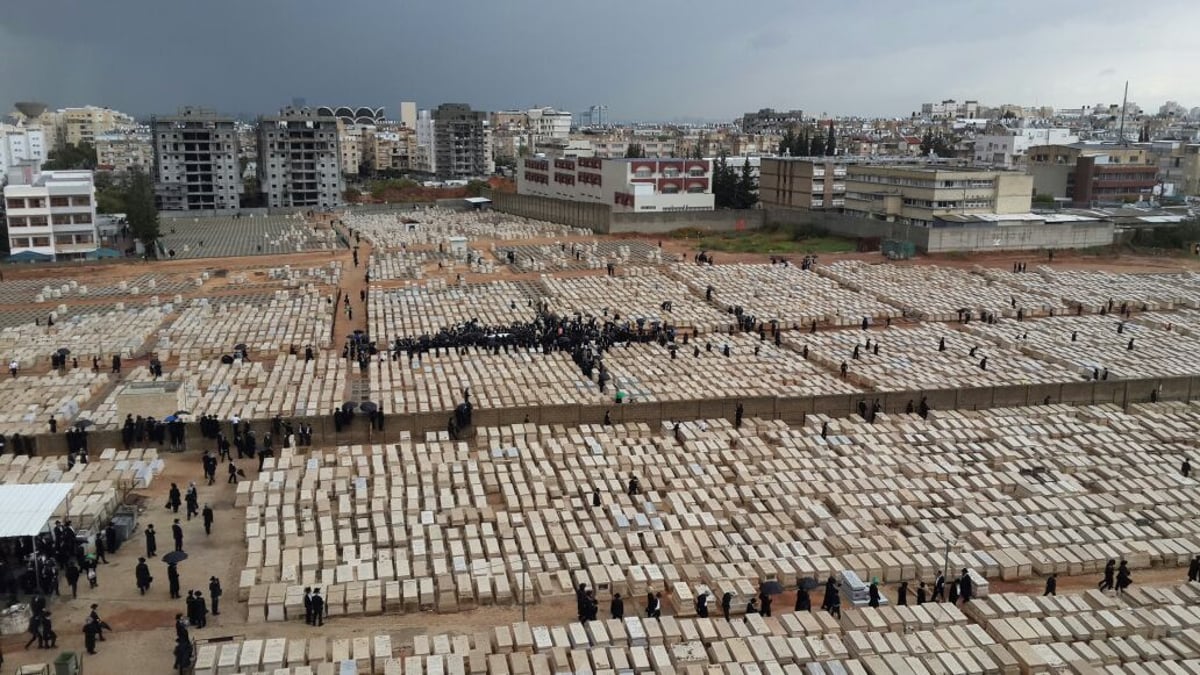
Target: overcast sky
{"points": [[644, 59]]}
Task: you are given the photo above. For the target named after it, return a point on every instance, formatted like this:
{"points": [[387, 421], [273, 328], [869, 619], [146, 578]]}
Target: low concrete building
{"points": [[919, 195], [625, 185], [1008, 151], [1091, 173], [52, 213], [801, 183]]}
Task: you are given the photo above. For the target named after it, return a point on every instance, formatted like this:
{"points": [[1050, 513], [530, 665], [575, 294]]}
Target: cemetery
{"points": [[430, 540]]}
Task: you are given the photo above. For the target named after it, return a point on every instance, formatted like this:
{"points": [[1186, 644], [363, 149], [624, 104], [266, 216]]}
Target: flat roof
{"points": [[26, 509], [1049, 218]]}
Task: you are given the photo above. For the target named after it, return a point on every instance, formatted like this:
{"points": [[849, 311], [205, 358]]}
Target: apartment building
{"points": [[625, 185], [20, 145], [949, 109], [920, 195], [196, 161], [299, 165], [1087, 173], [52, 213], [770, 121], [462, 145], [546, 124], [426, 155], [351, 140], [83, 125], [390, 149], [1007, 151], [802, 183], [122, 152], [617, 149], [1187, 159], [408, 114]]}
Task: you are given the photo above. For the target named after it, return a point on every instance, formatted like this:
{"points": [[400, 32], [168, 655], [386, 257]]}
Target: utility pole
{"points": [[1124, 107]]}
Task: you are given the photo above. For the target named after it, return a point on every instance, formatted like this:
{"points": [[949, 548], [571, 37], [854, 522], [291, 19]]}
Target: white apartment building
{"points": [[123, 152], [547, 123], [21, 144], [625, 185], [426, 155], [351, 140], [52, 213], [1008, 151]]}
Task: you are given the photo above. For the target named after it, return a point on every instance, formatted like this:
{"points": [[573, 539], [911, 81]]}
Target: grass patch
{"points": [[774, 242]]}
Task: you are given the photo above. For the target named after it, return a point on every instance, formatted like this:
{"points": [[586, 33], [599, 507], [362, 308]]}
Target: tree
{"points": [[724, 183], [634, 150], [746, 195], [800, 148], [831, 141], [82, 156], [351, 195], [477, 188], [698, 150], [936, 144], [817, 147], [787, 142], [139, 208]]}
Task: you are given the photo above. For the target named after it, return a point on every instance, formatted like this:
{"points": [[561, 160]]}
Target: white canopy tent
{"points": [[25, 509]]}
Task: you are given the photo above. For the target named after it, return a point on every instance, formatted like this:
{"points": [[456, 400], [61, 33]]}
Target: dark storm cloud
{"points": [[643, 59]]}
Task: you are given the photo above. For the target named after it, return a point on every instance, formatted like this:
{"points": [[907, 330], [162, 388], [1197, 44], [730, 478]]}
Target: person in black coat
{"points": [[72, 573], [48, 639], [764, 603], [1109, 572], [921, 594], [830, 590], [183, 655], [308, 610], [702, 605], [803, 601], [616, 608], [201, 610], [318, 605], [752, 607], [207, 514], [174, 498], [214, 591], [965, 587], [151, 542], [1124, 579], [1194, 569], [181, 631], [142, 573], [90, 630], [177, 534], [902, 593], [173, 580], [873, 595], [110, 540], [1051, 585]]}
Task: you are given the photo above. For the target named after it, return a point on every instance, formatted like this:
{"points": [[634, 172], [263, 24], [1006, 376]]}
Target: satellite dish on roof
{"points": [[30, 109]]}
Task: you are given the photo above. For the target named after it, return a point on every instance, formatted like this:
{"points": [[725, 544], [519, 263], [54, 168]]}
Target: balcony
{"points": [[818, 173]]}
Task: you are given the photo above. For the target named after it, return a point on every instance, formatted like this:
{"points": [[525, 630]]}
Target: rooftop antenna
{"points": [[1124, 106]]}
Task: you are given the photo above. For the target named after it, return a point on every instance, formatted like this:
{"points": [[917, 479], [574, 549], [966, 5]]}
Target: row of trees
{"points": [[734, 189], [937, 144], [809, 142]]}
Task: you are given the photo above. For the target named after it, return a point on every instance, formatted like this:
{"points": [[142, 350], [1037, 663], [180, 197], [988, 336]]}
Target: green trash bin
{"points": [[67, 663]]}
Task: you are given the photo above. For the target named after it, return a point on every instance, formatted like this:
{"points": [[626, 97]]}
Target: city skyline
{"points": [[664, 61]]}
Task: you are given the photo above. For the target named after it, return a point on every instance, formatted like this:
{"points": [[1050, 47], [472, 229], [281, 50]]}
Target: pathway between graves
{"points": [[353, 286]]}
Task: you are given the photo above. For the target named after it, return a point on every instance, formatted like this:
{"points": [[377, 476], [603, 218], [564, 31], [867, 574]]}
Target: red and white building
{"points": [[626, 185]]}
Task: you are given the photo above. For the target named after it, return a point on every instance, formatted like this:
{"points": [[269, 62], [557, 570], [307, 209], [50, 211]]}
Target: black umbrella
{"points": [[358, 331], [182, 412], [348, 406], [64, 351], [241, 346], [772, 588], [368, 407], [809, 583], [83, 424], [174, 557]]}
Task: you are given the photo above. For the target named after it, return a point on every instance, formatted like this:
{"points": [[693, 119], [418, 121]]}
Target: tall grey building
{"points": [[298, 159], [196, 161], [461, 141]]}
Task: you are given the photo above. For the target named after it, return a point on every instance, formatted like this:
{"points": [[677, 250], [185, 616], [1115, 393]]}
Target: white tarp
{"points": [[25, 509]]}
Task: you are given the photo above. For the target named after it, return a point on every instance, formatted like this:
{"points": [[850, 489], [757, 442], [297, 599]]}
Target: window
{"points": [[41, 241], [60, 201], [16, 203], [81, 201]]}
